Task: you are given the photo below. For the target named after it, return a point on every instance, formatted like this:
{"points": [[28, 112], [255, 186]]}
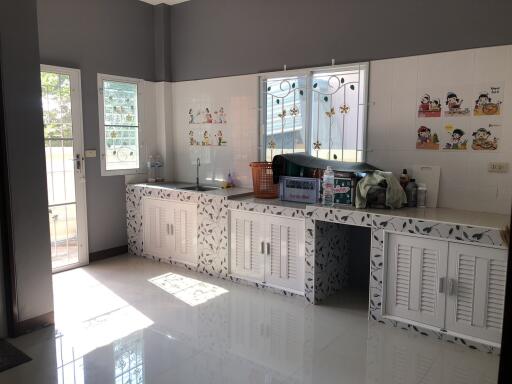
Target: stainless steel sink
{"points": [[200, 188]]}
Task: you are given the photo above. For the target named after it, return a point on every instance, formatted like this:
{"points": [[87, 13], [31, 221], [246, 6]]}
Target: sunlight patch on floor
{"points": [[88, 315], [191, 291]]}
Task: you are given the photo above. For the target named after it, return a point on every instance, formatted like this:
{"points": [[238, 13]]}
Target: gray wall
{"points": [[233, 37], [25, 157], [99, 36]]}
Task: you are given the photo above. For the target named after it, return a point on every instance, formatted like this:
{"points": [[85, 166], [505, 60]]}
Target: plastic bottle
{"points": [[404, 178], [411, 191], [328, 187], [422, 195]]}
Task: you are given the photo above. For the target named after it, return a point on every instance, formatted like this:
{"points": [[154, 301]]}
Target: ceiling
{"points": [[170, 2]]}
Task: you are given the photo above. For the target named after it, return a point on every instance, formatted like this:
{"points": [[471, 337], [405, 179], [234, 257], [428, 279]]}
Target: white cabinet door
{"points": [[183, 230], [416, 271], [476, 291], [156, 216], [285, 255], [247, 244]]}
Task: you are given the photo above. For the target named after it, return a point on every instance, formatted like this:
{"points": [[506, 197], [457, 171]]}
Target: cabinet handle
{"points": [[167, 228], [452, 287], [442, 281], [268, 248], [263, 247], [172, 229]]}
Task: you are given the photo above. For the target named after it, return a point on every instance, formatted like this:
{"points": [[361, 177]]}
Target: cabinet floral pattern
{"points": [[325, 271]]}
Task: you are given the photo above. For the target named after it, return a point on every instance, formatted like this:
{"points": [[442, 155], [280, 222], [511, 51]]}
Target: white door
{"points": [[63, 137], [285, 255], [156, 219], [476, 291], [184, 233], [247, 244], [415, 284]]}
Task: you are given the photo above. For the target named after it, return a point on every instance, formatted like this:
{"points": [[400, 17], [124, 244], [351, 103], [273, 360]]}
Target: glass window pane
{"points": [[56, 99], [121, 125], [338, 114], [285, 113]]}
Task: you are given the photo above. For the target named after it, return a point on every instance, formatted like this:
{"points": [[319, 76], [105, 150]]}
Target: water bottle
{"points": [[328, 187], [411, 191]]}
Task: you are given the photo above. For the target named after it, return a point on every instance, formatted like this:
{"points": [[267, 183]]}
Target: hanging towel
{"points": [[395, 195]]}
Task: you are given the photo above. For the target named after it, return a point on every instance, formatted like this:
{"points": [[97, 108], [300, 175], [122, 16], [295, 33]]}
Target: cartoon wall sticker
{"points": [[191, 138], [206, 138], [429, 106], [220, 138], [456, 138], [485, 139], [488, 101], [205, 116], [454, 105], [426, 139]]}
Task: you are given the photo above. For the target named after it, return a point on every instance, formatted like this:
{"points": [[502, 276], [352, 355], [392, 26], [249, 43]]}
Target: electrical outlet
{"points": [[498, 167]]}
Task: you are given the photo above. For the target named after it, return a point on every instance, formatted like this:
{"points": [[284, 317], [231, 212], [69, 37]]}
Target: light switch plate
{"points": [[90, 153], [498, 167]]}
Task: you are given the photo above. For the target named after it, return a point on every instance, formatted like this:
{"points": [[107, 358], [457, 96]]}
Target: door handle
{"points": [[268, 248], [263, 247], [442, 282], [78, 162], [452, 287]]}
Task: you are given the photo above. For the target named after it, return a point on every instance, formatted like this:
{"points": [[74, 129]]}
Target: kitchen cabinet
{"points": [[268, 249], [170, 230], [476, 291], [455, 287]]}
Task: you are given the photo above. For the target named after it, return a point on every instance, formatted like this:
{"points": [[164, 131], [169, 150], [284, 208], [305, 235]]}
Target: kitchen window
{"points": [[120, 124], [321, 112]]}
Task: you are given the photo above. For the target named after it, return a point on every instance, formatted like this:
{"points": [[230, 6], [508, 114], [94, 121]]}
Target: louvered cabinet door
{"points": [[476, 291], [247, 238], [184, 233], [156, 216], [416, 271], [284, 265]]}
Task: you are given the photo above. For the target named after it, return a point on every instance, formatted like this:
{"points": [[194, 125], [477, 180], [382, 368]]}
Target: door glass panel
{"points": [[60, 172]]}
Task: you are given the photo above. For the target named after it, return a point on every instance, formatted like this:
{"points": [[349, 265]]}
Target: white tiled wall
{"points": [[394, 86], [239, 97]]}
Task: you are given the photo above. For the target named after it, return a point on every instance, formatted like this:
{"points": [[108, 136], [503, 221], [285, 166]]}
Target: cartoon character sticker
{"points": [[489, 101], [429, 106], [427, 140], [192, 140], [205, 116], [220, 138], [485, 139], [456, 140], [454, 105], [206, 139]]}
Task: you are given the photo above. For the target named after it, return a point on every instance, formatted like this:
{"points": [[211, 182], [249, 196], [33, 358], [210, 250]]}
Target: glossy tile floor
{"points": [[127, 320]]}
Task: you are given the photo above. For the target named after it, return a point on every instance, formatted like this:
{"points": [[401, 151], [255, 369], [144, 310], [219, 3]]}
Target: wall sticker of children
{"points": [[457, 139], [429, 107], [454, 105], [208, 116], [483, 140], [484, 104], [192, 140], [427, 140]]}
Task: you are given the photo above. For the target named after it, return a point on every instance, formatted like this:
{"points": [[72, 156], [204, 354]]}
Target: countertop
{"points": [[228, 192], [443, 215], [250, 199]]}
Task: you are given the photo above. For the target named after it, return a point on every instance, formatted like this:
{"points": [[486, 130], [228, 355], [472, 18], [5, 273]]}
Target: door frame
{"points": [[78, 149]]}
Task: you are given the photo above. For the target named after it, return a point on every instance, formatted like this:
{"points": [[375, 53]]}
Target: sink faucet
{"points": [[198, 164]]}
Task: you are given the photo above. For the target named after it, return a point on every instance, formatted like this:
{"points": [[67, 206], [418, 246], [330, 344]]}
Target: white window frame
{"points": [[101, 112], [308, 73]]}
